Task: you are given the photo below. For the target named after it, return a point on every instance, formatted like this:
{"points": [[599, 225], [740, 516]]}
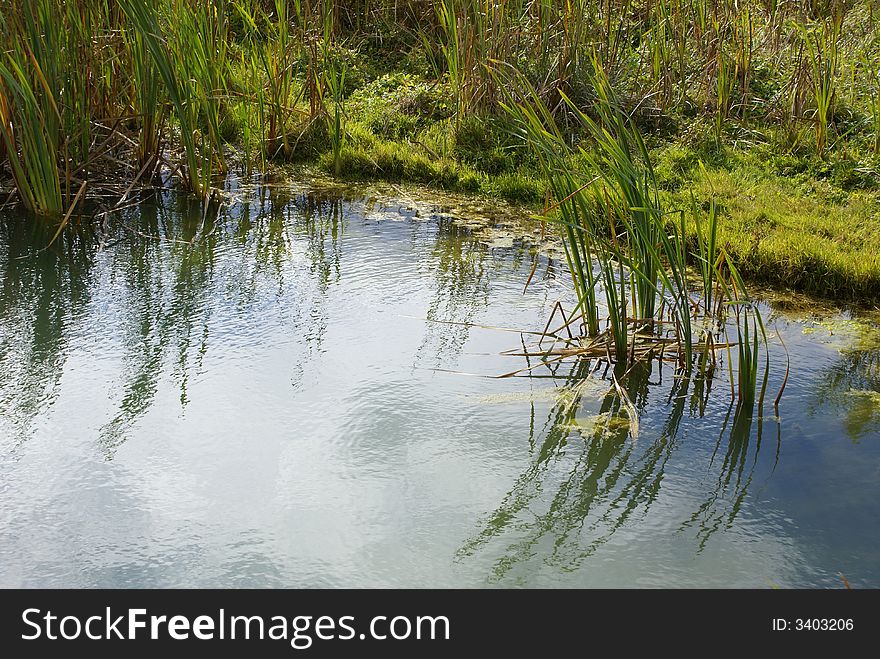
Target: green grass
{"points": [[392, 161], [780, 234], [791, 220]]}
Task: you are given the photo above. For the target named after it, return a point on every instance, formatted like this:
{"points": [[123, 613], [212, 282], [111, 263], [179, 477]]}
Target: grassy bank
{"points": [[787, 218], [771, 111], [802, 233], [795, 221]]}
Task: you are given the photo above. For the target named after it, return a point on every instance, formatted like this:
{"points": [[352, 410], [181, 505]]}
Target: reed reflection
{"points": [[589, 477], [178, 276], [44, 288], [850, 389], [167, 282], [461, 291]]}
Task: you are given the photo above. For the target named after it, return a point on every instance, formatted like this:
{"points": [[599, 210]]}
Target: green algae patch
{"points": [[845, 334], [588, 388], [600, 426], [553, 395], [867, 397]]}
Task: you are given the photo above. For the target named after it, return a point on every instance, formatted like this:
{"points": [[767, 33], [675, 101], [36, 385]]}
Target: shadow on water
{"points": [[588, 478], [851, 389]]}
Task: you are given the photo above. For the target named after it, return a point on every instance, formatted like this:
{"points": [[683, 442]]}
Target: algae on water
{"points": [[845, 334], [587, 388], [867, 396], [600, 426]]}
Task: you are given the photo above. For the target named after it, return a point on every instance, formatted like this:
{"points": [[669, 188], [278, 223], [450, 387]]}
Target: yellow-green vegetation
{"points": [[628, 257], [601, 426], [769, 109], [802, 232]]}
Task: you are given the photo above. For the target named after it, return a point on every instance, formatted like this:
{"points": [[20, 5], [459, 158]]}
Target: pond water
{"points": [[298, 394]]}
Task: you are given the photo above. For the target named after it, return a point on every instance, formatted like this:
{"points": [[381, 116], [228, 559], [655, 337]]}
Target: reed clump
{"points": [[629, 256]]}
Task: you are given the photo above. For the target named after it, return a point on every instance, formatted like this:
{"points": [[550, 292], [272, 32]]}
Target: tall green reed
{"points": [[453, 51], [334, 79], [622, 245], [146, 93], [871, 66], [724, 84], [188, 43], [167, 62], [822, 47], [30, 74], [272, 47], [538, 129]]}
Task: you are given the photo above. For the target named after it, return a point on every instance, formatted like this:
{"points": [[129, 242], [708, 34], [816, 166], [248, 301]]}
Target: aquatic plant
{"points": [[333, 81], [474, 33], [271, 63], [612, 216], [871, 66], [148, 101], [724, 83], [30, 120], [187, 42]]}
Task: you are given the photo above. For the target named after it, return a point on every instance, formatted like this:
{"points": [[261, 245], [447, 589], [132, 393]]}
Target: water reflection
{"points": [[166, 286], [852, 389], [229, 399], [736, 471], [321, 223], [42, 290], [579, 470], [170, 279], [589, 478], [461, 290], [463, 265]]}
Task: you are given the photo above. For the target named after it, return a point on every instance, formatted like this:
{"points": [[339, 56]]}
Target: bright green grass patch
{"points": [[828, 244], [392, 161], [367, 157]]}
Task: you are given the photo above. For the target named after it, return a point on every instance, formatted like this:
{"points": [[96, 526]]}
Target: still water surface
{"points": [[263, 400]]}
